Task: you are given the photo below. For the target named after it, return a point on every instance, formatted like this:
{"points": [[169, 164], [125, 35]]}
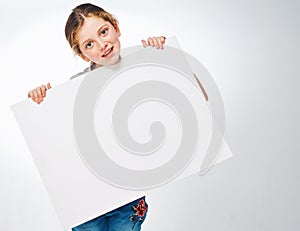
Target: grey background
{"points": [[251, 48]]}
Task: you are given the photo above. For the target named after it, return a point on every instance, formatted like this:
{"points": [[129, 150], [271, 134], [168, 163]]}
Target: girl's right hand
{"points": [[157, 42], [38, 94]]}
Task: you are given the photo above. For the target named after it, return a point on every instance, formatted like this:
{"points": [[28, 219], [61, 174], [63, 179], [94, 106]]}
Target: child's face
{"points": [[99, 41]]}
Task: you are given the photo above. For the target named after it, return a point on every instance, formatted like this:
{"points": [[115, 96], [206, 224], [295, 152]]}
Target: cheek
{"points": [[115, 39], [92, 54], [117, 43]]}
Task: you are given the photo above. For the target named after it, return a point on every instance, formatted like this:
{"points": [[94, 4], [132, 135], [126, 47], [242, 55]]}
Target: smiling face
{"points": [[98, 41]]}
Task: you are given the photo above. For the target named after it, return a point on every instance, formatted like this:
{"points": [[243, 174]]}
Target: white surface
{"points": [[48, 130]]}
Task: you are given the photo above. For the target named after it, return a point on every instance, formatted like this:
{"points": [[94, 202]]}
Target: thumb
{"points": [[144, 43]]}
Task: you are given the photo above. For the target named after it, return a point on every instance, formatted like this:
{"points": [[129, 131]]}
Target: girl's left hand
{"points": [[157, 42]]}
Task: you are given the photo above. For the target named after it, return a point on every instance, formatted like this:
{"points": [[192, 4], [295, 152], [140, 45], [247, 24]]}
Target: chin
{"points": [[113, 60]]}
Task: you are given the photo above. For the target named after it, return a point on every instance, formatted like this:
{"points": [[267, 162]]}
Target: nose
{"points": [[102, 44]]}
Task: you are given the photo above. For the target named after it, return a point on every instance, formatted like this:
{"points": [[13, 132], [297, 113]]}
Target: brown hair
{"points": [[76, 20]]}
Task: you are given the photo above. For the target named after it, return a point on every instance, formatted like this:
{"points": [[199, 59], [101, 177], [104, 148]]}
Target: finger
{"points": [[43, 90], [39, 92], [150, 42], [30, 94], [48, 86], [144, 43], [163, 41], [35, 94], [155, 42], [160, 45]]}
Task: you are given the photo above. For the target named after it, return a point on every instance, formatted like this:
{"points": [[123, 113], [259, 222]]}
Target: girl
{"points": [[93, 34]]}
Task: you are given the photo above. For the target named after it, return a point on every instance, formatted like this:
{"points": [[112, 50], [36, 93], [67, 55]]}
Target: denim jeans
{"points": [[128, 217]]}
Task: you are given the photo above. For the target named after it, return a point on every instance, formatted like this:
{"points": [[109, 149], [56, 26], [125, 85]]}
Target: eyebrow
{"points": [[105, 24]]}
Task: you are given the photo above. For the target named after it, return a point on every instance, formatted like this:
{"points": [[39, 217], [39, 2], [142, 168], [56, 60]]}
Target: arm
{"points": [[202, 88]]}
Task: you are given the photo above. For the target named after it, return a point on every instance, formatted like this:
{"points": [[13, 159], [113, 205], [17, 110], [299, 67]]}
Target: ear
{"points": [[116, 26], [84, 57]]}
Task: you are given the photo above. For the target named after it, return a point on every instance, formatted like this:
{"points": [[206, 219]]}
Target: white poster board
{"points": [[118, 133]]}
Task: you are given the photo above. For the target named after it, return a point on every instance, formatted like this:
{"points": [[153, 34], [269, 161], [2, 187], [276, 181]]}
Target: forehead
{"points": [[90, 27]]}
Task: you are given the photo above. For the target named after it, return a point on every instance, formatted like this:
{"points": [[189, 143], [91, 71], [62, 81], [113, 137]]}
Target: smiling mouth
{"points": [[108, 52]]}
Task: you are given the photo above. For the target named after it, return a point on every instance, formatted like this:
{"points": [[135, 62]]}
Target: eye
{"points": [[89, 45], [103, 32]]}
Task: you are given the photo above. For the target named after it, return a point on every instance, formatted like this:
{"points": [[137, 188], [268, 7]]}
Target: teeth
{"points": [[107, 52]]}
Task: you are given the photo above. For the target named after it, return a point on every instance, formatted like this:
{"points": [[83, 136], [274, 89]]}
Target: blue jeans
{"points": [[128, 217]]}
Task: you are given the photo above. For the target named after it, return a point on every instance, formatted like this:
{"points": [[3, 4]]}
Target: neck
{"points": [[96, 65]]}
